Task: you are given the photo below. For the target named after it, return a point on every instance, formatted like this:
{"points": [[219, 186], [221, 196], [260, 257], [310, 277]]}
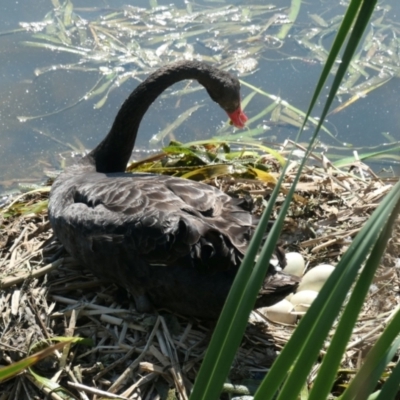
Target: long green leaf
{"points": [[303, 348], [365, 156], [11, 370], [311, 346], [379, 356], [222, 347], [229, 330], [376, 365], [391, 386], [331, 362]]}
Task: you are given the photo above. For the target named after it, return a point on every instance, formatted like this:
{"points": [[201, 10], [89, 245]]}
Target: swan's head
{"points": [[224, 89]]}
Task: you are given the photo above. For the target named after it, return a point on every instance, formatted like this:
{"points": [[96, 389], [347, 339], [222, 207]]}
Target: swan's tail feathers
{"points": [[276, 286]]}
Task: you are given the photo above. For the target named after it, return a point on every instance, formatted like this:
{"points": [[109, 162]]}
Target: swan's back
{"points": [[164, 220]]}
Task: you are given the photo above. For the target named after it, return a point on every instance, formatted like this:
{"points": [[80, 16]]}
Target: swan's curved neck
{"points": [[113, 153]]}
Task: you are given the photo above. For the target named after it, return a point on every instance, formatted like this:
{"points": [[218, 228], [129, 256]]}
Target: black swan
{"points": [[172, 243]]}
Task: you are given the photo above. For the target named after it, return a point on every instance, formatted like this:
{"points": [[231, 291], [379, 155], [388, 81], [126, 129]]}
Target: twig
{"points": [[96, 391], [8, 282], [115, 386]]}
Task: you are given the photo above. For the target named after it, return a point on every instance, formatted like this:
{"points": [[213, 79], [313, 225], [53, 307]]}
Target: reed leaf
{"points": [[379, 356], [294, 357], [14, 369], [386, 213], [391, 386], [300, 357]]}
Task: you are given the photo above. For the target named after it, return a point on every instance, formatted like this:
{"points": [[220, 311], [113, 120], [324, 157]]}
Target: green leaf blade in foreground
{"points": [[226, 337], [233, 320], [391, 386], [331, 361], [378, 357], [306, 341], [285, 361], [228, 332], [291, 351], [217, 362], [377, 367]]}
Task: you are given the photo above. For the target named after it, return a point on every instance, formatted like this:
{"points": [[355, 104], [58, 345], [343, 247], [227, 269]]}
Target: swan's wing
{"points": [[163, 220]]}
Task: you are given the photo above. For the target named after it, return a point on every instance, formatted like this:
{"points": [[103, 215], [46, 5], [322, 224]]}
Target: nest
{"points": [[45, 293]]}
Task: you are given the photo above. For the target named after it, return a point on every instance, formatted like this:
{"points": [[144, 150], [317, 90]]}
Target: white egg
{"points": [[280, 312], [302, 300], [315, 278], [274, 262], [295, 264]]}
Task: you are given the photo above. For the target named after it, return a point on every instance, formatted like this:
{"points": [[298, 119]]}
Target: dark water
{"points": [[25, 153]]}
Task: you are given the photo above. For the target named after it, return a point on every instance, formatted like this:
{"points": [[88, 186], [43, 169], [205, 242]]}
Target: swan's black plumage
{"points": [[172, 243]]}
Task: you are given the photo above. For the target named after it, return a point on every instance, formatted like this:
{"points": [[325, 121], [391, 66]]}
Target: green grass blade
{"points": [[391, 386], [277, 100], [331, 362], [293, 13], [378, 367], [291, 352], [372, 368], [315, 325], [365, 156], [233, 320], [360, 12], [228, 332], [15, 368]]}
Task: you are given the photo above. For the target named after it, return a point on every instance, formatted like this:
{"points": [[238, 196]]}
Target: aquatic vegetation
{"points": [[130, 42], [126, 43], [375, 63]]}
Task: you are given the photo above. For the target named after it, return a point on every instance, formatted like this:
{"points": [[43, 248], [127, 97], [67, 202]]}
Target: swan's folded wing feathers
{"points": [[203, 198], [167, 220]]}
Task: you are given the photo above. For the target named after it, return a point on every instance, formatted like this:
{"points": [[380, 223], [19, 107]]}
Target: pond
{"points": [[67, 66]]}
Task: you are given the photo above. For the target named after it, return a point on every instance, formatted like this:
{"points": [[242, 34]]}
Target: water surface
{"points": [[29, 148]]}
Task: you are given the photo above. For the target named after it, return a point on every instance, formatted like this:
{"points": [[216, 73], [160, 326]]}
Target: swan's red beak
{"points": [[238, 118]]}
